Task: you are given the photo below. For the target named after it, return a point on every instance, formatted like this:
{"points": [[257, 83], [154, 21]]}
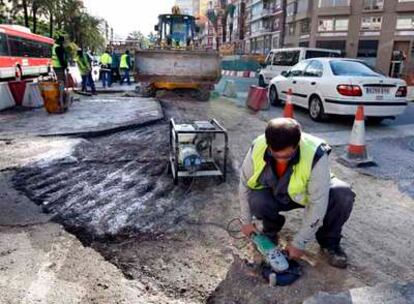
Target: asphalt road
{"points": [[335, 123]]}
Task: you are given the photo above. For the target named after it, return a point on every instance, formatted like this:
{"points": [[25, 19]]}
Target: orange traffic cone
{"points": [[288, 110], [356, 154]]}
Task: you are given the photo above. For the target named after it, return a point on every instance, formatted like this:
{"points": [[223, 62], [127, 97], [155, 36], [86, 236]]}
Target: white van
{"points": [[279, 60]]}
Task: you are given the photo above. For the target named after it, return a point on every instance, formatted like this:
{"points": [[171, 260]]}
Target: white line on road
{"points": [[340, 138]]}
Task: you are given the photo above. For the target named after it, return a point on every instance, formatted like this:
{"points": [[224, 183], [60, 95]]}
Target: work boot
{"points": [[336, 256]]}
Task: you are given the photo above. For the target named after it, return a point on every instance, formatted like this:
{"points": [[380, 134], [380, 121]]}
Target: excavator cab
{"points": [[176, 30], [176, 62]]}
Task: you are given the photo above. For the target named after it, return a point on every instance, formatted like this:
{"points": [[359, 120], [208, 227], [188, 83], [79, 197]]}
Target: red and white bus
{"points": [[22, 52]]}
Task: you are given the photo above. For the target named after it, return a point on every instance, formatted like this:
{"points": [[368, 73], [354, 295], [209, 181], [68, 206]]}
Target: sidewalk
{"points": [[91, 116]]}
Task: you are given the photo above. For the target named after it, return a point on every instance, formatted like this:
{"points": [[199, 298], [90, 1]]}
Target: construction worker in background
{"points": [[60, 59], [287, 169], [125, 66], [85, 69], [106, 62], [115, 67]]}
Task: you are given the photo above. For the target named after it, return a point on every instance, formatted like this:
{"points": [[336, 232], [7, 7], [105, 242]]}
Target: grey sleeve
{"points": [[318, 190], [245, 174]]}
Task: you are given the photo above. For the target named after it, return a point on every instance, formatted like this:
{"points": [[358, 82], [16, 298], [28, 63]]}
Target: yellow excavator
{"points": [[175, 61]]}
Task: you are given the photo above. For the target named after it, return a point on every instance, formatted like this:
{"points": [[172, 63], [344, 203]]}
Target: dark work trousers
{"points": [[87, 80], [265, 207], [125, 76]]}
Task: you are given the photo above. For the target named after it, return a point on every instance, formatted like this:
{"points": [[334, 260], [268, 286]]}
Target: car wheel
{"points": [[273, 96], [262, 83], [316, 110]]}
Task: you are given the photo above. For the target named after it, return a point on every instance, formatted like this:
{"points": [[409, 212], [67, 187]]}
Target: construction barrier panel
{"points": [[17, 89], [6, 97], [230, 89], [32, 96], [71, 81], [257, 98]]}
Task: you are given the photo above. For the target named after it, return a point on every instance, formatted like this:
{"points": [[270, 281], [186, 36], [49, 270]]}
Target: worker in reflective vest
{"points": [[106, 62], [287, 169], [85, 70], [60, 59], [125, 66]]}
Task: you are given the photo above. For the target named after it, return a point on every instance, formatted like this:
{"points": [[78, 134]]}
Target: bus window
{"points": [[316, 54], [21, 47], [4, 49]]}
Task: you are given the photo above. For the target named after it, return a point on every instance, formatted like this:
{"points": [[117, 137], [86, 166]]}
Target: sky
{"points": [[126, 16]]}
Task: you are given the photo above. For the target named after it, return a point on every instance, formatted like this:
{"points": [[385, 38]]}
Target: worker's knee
{"points": [[262, 204], [342, 196]]}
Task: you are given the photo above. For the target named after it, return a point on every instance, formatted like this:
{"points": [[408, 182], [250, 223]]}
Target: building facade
{"points": [[265, 22], [376, 31], [188, 7]]}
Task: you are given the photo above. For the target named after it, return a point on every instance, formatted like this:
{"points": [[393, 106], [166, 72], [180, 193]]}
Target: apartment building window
{"points": [[330, 3], [333, 24], [291, 29], [405, 22], [305, 27], [275, 43], [277, 5], [276, 24], [291, 9], [302, 6], [255, 27], [373, 4], [371, 23], [367, 51]]}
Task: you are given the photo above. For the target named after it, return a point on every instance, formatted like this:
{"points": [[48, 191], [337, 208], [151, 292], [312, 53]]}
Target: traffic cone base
{"points": [[356, 154]]}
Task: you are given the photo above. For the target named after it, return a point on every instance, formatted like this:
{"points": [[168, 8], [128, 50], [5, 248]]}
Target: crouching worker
{"points": [[286, 169]]}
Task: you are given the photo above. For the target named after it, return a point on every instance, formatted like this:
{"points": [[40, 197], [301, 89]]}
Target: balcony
{"points": [[373, 5], [334, 11], [334, 7], [405, 6]]}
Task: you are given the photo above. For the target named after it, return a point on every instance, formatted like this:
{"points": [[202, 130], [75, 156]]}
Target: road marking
{"points": [[339, 138]]}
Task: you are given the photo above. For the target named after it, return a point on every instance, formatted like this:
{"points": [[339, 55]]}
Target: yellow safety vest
{"points": [[83, 65], [55, 59], [106, 59], [298, 183], [124, 63]]}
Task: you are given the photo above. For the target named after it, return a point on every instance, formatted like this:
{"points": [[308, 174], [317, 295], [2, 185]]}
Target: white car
{"points": [[338, 86]]}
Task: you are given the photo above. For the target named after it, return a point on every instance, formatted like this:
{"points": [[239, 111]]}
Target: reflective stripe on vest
{"points": [[298, 183], [55, 59], [124, 62], [106, 59]]}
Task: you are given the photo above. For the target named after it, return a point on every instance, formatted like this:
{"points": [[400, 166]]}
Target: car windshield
{"points": [[352, 68]]}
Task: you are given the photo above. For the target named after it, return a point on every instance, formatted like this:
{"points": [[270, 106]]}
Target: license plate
{"points": [[377, 91], [379, 97]]}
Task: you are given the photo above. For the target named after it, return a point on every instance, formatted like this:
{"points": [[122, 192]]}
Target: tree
{"points": [[60, 17], [139, 37], [18, 7]]}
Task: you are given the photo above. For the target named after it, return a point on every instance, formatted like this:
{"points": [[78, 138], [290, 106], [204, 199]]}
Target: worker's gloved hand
{"points": [[248, 229], [293, 252]]}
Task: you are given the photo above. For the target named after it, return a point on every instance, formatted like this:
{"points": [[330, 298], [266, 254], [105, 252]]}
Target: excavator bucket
{"points": [[180, 67]]}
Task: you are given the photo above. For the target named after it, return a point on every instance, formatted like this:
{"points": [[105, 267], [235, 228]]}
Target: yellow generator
{"points": [[175, 62]]}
